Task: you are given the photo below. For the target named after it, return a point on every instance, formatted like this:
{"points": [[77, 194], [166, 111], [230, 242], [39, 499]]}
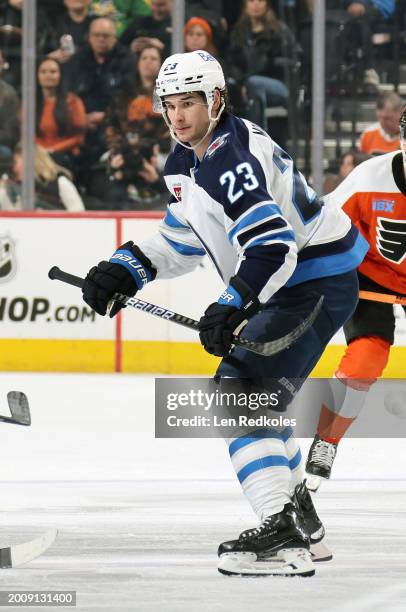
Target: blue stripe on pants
{"points": [[260, 464], [294, 462]]}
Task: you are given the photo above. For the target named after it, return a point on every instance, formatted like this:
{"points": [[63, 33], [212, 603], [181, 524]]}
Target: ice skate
{"points": [[279, 546], [321, 458], [313, 524]]}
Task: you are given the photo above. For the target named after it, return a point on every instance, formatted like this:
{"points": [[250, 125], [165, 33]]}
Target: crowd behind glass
{"points": [[99, 144]]}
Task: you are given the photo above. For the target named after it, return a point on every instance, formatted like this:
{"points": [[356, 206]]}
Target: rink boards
{"points": [[45, 325]]}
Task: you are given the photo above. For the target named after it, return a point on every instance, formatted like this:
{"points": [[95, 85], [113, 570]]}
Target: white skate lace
{"points": [[323, 453], [257, 530]]}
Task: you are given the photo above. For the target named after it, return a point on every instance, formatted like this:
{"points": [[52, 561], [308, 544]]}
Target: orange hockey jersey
{"points": [[374, 196]]}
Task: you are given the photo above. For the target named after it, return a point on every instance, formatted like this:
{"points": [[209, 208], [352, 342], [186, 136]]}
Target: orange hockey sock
{"points": [[363, 362]]}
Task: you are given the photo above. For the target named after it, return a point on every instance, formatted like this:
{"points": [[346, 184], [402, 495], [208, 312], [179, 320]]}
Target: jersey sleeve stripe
{"points": [[271, 226], [252, 217], [271, 238], [184, 249], [172, 221]]}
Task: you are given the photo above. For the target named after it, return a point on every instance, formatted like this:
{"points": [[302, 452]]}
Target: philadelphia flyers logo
{"points": [[391, 239]]}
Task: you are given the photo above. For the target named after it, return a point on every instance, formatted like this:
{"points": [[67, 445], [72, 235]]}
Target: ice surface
{"points": [[140, 519]]}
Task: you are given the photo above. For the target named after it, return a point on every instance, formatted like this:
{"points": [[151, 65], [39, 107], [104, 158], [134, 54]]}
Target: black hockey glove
{"points": [[127, 271], [222, 319]]}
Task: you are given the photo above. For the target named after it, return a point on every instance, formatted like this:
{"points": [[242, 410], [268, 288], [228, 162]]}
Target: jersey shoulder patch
{"points": [[217, 144]]}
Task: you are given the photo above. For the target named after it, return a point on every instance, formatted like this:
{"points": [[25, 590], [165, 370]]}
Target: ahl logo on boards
{"points": [[8, 264]]}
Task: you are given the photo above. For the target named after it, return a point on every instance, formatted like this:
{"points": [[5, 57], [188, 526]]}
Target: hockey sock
{"points": [[263, 469], [363, 362], [295, 458]]}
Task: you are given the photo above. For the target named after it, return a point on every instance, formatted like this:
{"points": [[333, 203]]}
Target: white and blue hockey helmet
{"points": [[187, 72], [197, 71]]}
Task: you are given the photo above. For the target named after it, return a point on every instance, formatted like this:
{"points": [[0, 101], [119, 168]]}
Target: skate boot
{"points": [[321, 458], [312, 523], [279, 546]]}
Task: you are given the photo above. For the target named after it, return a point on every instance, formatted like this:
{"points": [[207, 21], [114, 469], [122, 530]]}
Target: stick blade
{"points": [[19, 554], [19, 407]]}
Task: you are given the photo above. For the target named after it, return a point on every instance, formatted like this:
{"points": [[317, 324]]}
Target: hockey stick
{"points": [[18, 554], [19, 408], [383, 297], [266, 349]]}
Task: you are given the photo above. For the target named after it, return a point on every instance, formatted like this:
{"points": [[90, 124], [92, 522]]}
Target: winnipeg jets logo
{"points": [[7, 259], [216, 144], [177, 190], [391, 239]]}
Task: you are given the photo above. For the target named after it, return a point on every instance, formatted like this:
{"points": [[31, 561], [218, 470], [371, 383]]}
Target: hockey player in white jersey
{"points": [[238, 197]]}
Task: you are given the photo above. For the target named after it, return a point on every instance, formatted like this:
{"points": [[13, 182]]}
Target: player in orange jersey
{"points": [[374, 196]]}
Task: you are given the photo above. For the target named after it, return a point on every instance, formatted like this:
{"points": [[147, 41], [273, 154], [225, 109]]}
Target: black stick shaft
{"points": [[266, 349]]}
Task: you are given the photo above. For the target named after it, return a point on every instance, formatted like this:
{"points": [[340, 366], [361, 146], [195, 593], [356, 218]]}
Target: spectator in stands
{"points": [[100, 70], [199, 35], [131, 113], [383, 136], [61, 115], [134, 137], [128, 178], [71, 28], [9, 115], [258, 43], [52, 8], [155, 29], [97, 73], [11, 37], [366, 16], [53, 183], [122, 11], [210, 10], [231, 9], [348, 161]]}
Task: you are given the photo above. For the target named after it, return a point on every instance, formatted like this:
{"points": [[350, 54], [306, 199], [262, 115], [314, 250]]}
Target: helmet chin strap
{"points": [[212, 123]]}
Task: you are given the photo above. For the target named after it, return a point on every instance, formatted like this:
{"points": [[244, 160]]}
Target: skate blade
{"points": [[287, 562], [320, 552]]}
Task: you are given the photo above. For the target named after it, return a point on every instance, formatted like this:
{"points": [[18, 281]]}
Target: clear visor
{"points": [[157, 103]]}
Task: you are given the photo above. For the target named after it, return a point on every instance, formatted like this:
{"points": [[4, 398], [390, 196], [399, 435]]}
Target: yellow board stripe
{"points": [[37, 355], [34, 355]]}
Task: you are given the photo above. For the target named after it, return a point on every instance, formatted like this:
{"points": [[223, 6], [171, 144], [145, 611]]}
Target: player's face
{"points": [[188, 116]]}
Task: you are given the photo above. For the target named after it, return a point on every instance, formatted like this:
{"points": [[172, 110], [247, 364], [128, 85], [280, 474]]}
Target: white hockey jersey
{"points": [[248, 208]]}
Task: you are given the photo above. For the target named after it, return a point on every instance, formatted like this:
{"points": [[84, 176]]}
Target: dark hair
{"points": [[224, 98], [270, 22], [61, 113]]}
